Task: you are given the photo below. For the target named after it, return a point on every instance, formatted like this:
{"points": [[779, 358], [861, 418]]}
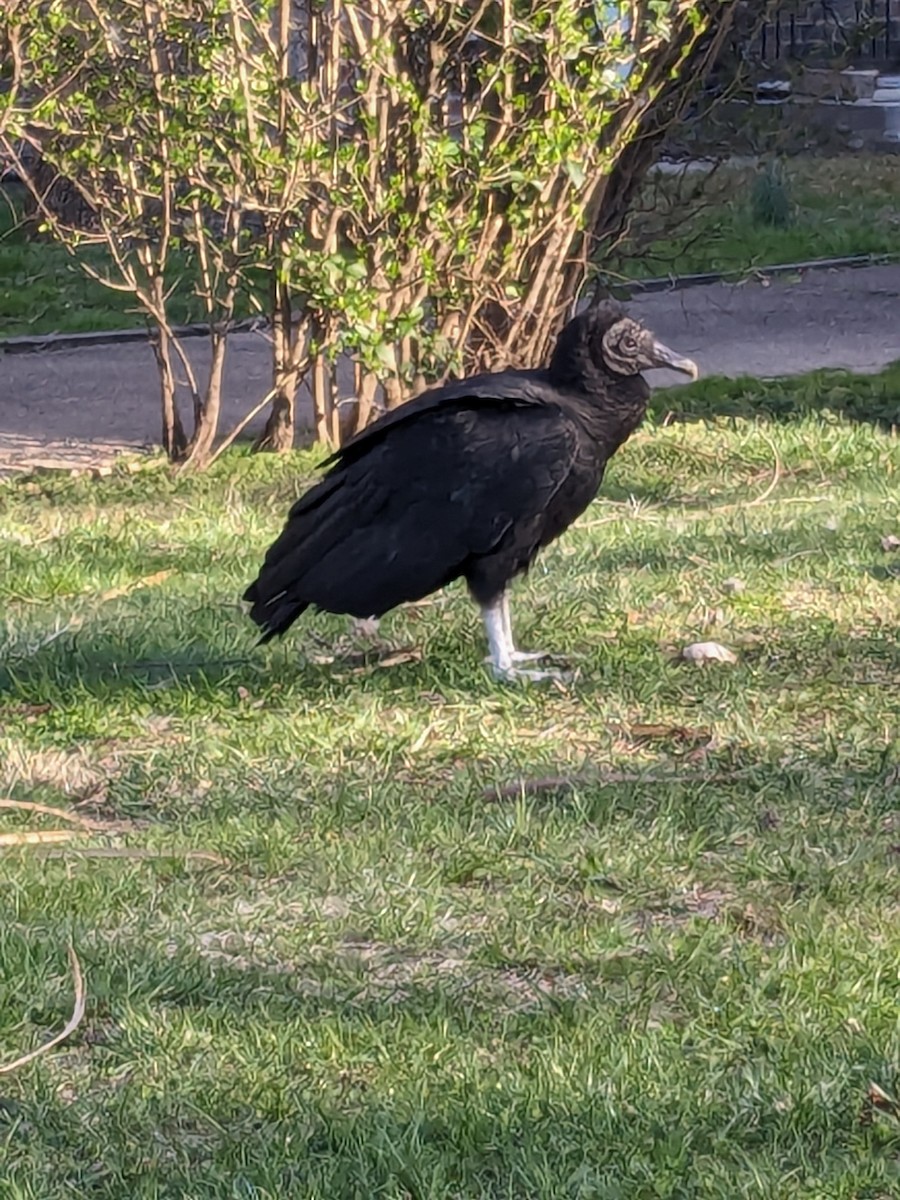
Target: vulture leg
{"points": [[518, 656], [364, 627], [504, 655]]}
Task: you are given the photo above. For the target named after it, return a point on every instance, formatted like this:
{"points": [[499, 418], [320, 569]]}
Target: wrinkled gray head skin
{"points": [[628, 348], [602, 344]]}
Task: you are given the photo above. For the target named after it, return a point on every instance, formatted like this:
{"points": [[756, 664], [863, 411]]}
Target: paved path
{"points": [[84, 406]]}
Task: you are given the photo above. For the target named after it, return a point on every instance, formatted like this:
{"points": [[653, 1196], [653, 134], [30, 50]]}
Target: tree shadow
{"points": [[469, 1025], [858, 399], [105, 660], [386, 1009]]}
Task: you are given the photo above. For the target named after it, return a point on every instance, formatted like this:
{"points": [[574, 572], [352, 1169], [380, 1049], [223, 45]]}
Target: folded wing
{"points": [[398, 517]]}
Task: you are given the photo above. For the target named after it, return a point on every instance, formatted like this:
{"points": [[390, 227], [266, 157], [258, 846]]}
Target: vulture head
{"points": [[629, 348], [605, 337]]}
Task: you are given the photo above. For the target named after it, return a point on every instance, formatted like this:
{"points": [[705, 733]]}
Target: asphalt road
{"points": [[75, 407]]}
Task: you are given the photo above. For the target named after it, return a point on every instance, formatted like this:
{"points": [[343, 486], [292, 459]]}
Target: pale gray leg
{"points": [[517, 655], [499, 641], [364, 627], [503, 654]]}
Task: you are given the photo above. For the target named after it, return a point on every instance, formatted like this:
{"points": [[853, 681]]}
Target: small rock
{"points": [[856, 143], [734, 585], [891, 542], [334, 906], [708, 652]]}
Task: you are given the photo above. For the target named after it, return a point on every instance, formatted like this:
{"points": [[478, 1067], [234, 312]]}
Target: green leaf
{"points": [[575, 172]]}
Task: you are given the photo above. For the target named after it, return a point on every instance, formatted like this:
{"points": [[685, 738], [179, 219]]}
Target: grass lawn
{"points": [[44, 290], [839, 206], [386, 970]]}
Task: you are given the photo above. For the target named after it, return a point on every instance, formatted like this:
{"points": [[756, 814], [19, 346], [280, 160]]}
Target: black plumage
{"points": [[468, 480]]}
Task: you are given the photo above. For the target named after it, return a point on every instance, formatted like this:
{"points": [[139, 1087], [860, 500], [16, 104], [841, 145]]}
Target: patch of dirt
{"points": [[387, 974], [80, 408], [83, 773], [748, 920], [72, 772]]}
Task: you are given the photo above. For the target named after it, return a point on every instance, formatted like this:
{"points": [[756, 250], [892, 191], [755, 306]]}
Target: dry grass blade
{"points": [[37, 837], [565, 783], [138, 853], [385, 659], [71, 1025], [49, 811], [126, 588], [776, 477], [659, 732]]}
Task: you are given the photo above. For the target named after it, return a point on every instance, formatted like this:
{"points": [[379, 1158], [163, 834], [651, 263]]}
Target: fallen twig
{"points": [[126, 588], [776, 478], [71, 1025], [48, 810], [37, 837], [52, 837]]}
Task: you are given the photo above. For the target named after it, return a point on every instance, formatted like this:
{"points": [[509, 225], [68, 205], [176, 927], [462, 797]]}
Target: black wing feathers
{"points": [[502, 389], [397, 518]]}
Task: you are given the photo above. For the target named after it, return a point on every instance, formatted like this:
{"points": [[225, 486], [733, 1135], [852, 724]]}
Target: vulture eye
{"points": [[629, 344]]}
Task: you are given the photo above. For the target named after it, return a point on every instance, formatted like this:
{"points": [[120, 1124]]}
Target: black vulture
{"points": [[468, 480]]}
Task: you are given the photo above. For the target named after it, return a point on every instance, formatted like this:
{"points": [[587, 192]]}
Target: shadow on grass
{"points": [[377, 1070], [436, 1098], [203, 677], [860, 399]]}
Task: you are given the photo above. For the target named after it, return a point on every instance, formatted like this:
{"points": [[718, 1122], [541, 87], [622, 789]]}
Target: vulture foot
{"points": [[366, 628], [522, 675], [523, 656], [504, 656], [526, 656]]}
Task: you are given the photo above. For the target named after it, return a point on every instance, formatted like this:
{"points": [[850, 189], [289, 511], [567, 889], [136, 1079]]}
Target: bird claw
{"points": [[365, 628], [523, 656], [515, 674]]}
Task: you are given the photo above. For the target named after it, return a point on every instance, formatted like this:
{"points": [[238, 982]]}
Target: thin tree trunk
{"points": [[323, 403], [201, 444], [366, 409], [393, 392], [278, 435], [173, 437]]}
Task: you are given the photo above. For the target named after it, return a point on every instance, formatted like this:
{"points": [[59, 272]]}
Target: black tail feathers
{"points": [[275, 615]]}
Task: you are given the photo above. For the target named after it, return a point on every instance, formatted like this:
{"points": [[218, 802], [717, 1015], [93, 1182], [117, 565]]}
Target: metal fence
{"points": [[859, 31]]}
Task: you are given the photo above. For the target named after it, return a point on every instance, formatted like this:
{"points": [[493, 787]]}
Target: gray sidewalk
{"points": [[72, 407]]}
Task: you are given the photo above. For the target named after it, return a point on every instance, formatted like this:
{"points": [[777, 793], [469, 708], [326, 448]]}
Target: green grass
{"points": [[44, 290], [840, 206], [678, 979]]}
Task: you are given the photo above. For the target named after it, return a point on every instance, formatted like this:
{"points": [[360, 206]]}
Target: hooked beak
{"points": [[662, 356]]}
